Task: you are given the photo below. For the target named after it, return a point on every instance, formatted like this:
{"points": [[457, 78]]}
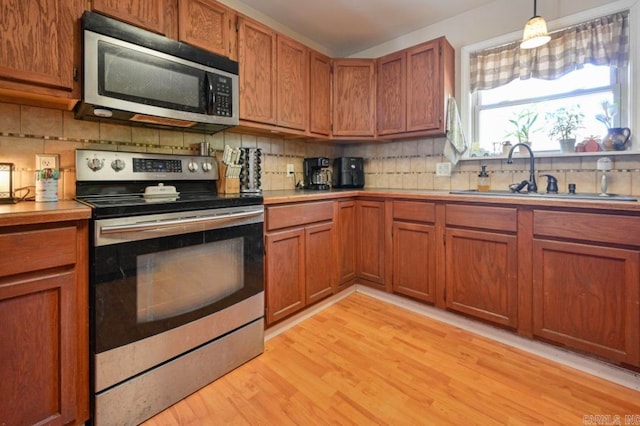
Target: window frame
{"points": [[626, 81]]}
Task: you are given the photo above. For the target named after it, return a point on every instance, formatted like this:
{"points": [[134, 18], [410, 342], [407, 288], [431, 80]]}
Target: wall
{"points": [[26, 131], [411, 164]]}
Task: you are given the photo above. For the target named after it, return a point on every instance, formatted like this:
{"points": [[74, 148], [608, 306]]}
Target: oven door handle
{"points": [[163, 224]]}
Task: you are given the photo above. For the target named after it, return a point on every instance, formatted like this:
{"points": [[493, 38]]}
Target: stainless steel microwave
{"points": [[134, 76]]}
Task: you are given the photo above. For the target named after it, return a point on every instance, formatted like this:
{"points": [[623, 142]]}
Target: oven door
{"points": [[155, 273]]}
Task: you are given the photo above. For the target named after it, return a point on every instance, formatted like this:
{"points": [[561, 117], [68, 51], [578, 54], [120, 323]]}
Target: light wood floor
{"points": [[363, 361]]}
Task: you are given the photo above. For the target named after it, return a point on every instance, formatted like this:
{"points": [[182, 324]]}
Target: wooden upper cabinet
{"points": [[319, 94], [392, 94], [208, 25], [292, 76], [158, 16], [425, 98], [353, 97], [413, 87], [40, 47], [257, 58]]}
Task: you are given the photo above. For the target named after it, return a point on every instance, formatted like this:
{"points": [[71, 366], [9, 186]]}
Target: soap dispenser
{"points": [[483, 179]]}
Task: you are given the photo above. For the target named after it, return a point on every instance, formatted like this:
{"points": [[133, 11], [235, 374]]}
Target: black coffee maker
{"points": [[316, 173]]}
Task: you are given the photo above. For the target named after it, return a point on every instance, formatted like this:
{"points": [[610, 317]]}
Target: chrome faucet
{"points": [[531, 183]]}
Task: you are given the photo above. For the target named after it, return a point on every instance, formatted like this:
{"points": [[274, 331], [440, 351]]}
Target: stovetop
{"points": [[113, 184], [134, 205]]}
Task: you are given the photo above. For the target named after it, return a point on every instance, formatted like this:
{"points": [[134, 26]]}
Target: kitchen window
{"points": [[515, 92]]}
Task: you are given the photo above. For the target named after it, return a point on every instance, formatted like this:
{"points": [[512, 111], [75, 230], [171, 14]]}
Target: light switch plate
{"points": [[47, 161], [443, 169]]}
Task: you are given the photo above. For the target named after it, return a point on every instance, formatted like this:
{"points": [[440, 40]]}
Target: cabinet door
{"points": [[353, 97], [392, 93], [38, 357], [347, 236], [285, 273], [424, 87], [586, 297], [40, 42], [153, 15], [257, 59], [370, 264], [320, 264], [320, 94], [207, 25], [481, 275], [414, 260], [292, 73]]}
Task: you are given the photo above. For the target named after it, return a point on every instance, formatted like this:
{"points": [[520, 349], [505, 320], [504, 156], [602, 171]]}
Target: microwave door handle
{"points": [[210, 95]]}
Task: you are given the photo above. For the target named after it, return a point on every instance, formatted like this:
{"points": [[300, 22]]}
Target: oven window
{"points": [[181, 280], [143, 288]]}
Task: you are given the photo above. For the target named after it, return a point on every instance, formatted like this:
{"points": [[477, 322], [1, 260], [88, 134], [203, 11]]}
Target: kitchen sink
{"points": [[562, 195]]}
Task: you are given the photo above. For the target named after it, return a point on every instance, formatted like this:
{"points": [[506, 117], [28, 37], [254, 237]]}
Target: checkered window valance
{"points": [[602, 41]]}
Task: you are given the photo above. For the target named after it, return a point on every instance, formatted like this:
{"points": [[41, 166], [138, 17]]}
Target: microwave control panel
{"points": [[222, 103]]}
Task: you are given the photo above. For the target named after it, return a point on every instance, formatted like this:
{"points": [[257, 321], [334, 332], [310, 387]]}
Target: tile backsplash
{"points": [[410, 164]]}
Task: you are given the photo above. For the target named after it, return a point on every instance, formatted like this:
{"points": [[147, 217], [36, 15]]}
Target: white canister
{"points": [[47, 185]]}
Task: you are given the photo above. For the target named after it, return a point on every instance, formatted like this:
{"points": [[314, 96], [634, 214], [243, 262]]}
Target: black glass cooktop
{"points": [[122, 200]]}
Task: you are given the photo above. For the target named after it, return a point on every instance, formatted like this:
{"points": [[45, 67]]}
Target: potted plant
{"points": [[564, 122], [523, 125]]}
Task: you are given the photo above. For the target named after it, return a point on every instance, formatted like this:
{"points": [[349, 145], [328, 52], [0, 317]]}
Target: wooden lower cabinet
{"points": [[300, 257], [285, 275], [481, 275], [346, 236], [44, 333], [586, 297], [320, 261], [481, 270], [414, 261], [414, 249], [370, 261]]}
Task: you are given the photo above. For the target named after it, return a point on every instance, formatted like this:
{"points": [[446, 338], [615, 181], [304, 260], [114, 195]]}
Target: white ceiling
{"points": [[346, 27]]}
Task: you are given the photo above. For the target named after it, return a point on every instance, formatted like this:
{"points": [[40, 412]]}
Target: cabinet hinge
{"points": [[445, 294], [237, 26], [440, 50], [444, 238], [75, 73]]}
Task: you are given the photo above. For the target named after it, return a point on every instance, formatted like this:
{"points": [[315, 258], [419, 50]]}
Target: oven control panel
{"points": [[95, 165]]}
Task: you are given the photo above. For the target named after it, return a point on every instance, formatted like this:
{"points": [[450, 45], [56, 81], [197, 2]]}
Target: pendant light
{"points": [[535, 32]]}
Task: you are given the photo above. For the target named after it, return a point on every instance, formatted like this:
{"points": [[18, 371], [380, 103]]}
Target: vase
{"points": [[617, 139], [567, 145]]}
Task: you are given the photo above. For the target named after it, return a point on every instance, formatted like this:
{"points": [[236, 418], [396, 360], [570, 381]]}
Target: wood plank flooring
{"points": [[363, 361]]}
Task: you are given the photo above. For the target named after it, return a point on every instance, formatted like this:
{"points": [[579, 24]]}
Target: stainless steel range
{"points": [[176, 279]]}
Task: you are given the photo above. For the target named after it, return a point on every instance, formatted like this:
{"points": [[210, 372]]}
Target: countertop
{"points": [[291, 196], [30, 212]]}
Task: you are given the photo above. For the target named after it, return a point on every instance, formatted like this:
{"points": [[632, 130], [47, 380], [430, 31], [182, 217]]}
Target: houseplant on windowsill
{"points": [[564, 122], [523, 126]]}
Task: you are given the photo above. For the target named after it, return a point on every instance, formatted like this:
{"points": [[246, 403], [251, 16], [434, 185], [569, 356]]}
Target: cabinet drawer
{"points": [[414, 211], [482, 217], [35, 250], [600, 228], [298, 214]]}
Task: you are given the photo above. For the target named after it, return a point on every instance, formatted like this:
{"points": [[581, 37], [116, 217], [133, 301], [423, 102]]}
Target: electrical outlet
{"points": [[443, 169], [47, 161], [289, 169]]}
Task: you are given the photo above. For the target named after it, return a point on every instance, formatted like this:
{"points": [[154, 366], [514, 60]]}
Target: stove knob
{"points": [[193, 166], [117, 165], [95, 164], [206, 166]]}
